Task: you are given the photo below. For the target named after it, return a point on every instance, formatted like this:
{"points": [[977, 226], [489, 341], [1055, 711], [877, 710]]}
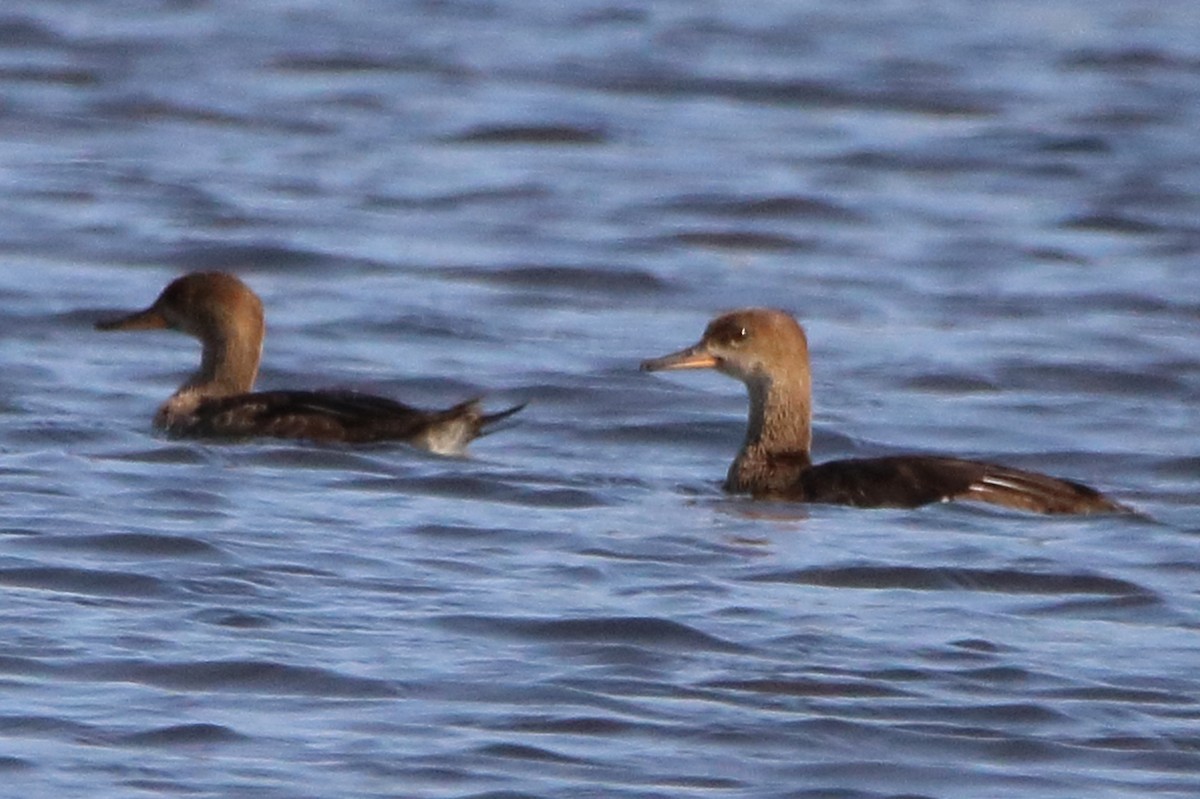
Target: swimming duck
{"points": [[767, 350], [218, 400]]}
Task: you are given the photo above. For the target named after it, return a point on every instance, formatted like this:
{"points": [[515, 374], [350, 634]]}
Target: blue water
{"points": [[985, 214]]}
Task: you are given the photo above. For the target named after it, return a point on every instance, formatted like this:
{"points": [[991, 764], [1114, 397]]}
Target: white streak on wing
{"points": [[986, 486], [994, 480]]}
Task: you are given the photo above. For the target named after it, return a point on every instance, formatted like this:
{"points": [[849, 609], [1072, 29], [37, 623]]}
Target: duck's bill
{"points": [[692, 358], [149, 319]]}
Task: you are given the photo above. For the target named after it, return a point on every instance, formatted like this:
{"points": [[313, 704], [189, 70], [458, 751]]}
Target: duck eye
{"points": [[727, 333]]}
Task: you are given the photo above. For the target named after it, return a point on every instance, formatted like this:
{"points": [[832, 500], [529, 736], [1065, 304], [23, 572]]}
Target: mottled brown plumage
{"points": [[218, 401], [768, 351]]}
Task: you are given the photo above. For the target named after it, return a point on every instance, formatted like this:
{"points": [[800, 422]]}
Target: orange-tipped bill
{"points": [[149, 319], [696, 357]]}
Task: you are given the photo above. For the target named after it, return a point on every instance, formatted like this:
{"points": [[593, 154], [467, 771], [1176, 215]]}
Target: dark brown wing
{"points": [[343, 416], [910, 480]]}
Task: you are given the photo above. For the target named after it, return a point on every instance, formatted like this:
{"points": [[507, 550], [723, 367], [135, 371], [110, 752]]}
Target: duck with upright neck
{"points": [[218, 400], [767, 350]]}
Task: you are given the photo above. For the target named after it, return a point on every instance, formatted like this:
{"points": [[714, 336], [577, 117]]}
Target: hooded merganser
{"points": [[218, 400], [767, 350]]}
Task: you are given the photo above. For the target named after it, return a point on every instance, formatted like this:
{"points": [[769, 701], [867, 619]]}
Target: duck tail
{"points": [[454, 428], [489, 419], [1016, 488]]}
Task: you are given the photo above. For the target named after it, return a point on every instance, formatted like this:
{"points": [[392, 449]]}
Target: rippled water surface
{"points": [[985, 213]]}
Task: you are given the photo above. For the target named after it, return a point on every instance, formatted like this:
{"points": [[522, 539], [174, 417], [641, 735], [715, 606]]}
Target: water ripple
{"points": [[531, 134], [132, 544], [183, 735], [639, 631], [250, 676], [1008, 581], [87, 582]]}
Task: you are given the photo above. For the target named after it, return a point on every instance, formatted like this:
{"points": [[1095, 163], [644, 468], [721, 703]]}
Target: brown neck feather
{"points": [[229, 364], [778, 434]]}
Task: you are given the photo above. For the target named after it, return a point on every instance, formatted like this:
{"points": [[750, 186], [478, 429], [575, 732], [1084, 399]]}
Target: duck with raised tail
{"points": [[218, 400], [767, 350]]}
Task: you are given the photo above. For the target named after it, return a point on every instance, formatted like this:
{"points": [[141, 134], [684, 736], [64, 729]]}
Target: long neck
{"points": [[778, 434], [780, 415], [229, 364]]}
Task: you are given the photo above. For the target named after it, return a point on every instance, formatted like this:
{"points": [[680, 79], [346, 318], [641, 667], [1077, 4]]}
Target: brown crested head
{"points": [[207, 305], [750, 344]]}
